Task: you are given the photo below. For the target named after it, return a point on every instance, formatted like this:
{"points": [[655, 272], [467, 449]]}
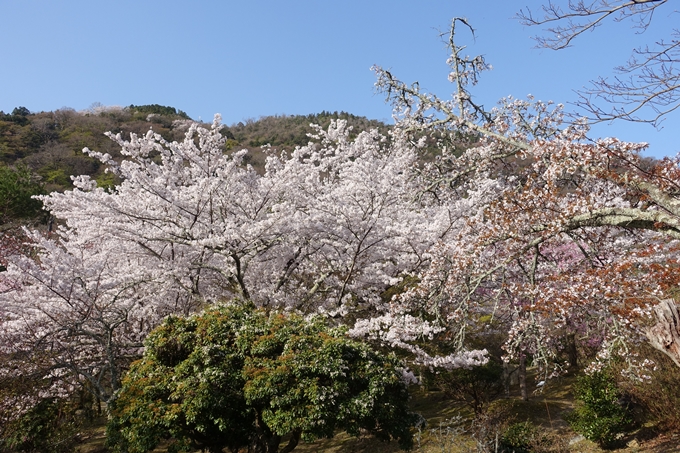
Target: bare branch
{"points": [[582, 16], [650, 89], [462, 111]]}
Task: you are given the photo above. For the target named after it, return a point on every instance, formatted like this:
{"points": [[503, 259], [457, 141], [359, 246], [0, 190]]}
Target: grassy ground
{"points": [[547, 410]]}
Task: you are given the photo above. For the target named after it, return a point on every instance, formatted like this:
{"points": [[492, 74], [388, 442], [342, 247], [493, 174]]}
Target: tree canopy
{"points": [[567, 233], [235, 377], [17, 187]]}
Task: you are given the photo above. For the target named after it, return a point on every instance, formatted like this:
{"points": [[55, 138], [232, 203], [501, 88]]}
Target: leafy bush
{"points": [[518, 437], [49, 427], [599, 415], [236, 376], [526, 437]]}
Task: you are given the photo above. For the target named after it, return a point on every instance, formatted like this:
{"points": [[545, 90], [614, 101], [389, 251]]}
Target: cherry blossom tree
{"points": [[325, 218], [560, 230], [73, 318], [328, 228]]}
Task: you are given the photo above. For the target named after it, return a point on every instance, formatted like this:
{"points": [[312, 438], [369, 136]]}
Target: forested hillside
{"points": [[50, 144]]}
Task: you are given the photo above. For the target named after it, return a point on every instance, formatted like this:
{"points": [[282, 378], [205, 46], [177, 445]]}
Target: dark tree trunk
{"points": [[264, 440], [293, 442], [572, 352], [523, 377], [506, 378]]}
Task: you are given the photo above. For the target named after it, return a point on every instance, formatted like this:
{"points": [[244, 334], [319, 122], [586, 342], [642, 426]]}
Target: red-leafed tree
{"points": [[562, 233]]}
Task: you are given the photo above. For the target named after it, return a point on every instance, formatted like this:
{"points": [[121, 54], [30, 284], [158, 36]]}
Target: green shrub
{"points": [[599, 415], [236, 376], [518, 437], [526, 437], [48, 427]]}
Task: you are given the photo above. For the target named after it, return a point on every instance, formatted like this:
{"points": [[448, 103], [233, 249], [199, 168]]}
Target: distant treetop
{"points": [[158, 109], [292, 130], [17, 116]]}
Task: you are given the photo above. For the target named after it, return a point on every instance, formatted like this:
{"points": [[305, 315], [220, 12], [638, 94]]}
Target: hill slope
{"points": [[50, 143]]}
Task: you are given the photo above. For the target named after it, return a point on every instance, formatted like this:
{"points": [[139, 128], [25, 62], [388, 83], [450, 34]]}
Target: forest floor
{"points": [[448, 428]]}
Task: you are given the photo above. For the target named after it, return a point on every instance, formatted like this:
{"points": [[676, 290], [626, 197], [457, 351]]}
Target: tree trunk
{"points": [[665, 334], [523, 377], [293, 442], [264, 440], [572, 352], [506, 378], [265, 444]]}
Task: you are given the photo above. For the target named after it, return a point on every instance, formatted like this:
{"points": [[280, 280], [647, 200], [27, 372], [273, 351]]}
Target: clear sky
{"points": [[251, 58]]}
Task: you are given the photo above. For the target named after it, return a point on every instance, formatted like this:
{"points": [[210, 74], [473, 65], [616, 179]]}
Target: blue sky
{"points": [[246, 59]]}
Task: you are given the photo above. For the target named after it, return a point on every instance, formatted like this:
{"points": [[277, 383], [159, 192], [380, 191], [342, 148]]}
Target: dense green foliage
{"points": [[48, 427], [17, 187], [158, 110], [291, 130], [599, 414], [517, 438], [526, 437], [236, 376], [19, 115]]}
